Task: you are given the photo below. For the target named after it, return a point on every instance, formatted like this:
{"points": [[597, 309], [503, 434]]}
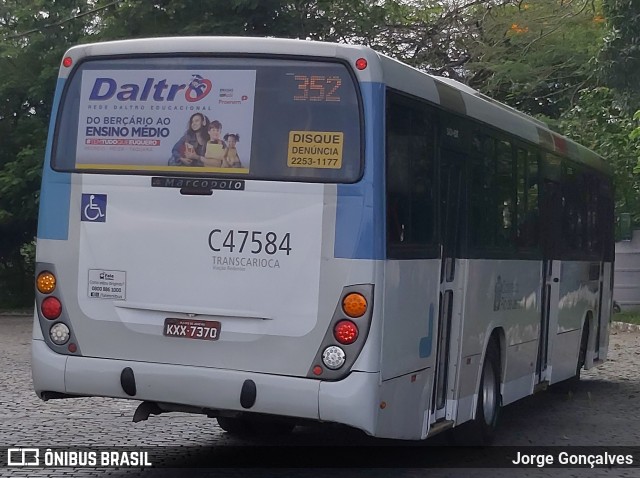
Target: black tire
{"points": [[616, 308], [582, 352], [481, 430], [235, 426], [569, 385], [256, 426]]}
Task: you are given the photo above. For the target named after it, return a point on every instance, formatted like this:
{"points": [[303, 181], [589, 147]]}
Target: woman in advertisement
{"points": [[190, 149]]}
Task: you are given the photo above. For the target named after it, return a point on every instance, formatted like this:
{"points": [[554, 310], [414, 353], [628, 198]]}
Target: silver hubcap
{"points": [[489, 393]]}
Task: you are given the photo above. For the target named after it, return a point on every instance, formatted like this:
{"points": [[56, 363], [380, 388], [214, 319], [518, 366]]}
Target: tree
{"points": [[537, 56], [136, 18], [600, 123], [35, 34], [620, 57]]}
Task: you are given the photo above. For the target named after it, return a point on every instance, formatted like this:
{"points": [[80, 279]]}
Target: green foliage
{"points": [[136, 18], [536, 56], [600, 123], [35, 35], [628, 317], [546, 57], [620, 56]]}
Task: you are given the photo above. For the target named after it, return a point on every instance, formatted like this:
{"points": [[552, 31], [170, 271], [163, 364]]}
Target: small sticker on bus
{"points": [[105, 284], [315, 149]]}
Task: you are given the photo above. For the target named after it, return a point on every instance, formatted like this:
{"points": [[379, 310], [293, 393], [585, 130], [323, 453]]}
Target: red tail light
{"points": [[345, 332], [51, 308]]}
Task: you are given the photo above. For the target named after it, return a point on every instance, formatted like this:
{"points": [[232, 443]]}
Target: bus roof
{"points": [[449, 94], [459, 98]]}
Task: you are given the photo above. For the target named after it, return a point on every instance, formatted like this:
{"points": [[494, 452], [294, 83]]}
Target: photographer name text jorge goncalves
{"points": [[572, 459]]}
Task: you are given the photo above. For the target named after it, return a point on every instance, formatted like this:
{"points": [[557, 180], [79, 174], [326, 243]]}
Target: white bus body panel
{"points": [[503, 295], [170, 272], [212, 388], [578, 300], [411, 290]]}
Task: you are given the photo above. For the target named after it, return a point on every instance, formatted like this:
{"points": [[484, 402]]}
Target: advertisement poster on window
{"points": [[159, 120]]}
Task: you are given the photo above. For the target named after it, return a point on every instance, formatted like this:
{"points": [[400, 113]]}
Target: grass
{"points": [[630, 317]]}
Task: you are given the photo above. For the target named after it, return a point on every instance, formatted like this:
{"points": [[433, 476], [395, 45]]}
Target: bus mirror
{"points": [[624, 226]]}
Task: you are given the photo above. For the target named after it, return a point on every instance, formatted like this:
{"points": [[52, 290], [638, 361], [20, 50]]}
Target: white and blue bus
{"points": [[269, 231]]}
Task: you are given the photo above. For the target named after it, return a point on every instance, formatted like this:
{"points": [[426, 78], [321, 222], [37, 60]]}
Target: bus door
{"points": [[596, 272], [551, 232], [452, 228], [603, 208], [549, 315]]}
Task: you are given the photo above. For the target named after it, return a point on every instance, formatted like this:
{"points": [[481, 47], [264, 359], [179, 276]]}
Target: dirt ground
{"points": [[602, 410]]}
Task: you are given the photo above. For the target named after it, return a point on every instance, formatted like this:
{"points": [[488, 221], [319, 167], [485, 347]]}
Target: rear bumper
{"points": [[208, 387]]}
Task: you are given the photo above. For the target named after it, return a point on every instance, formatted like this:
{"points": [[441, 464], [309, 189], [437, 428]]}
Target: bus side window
{"points": [[398, 199], [527, 206], [505, 192], [574, 213], [482, 215], [410, 174]]}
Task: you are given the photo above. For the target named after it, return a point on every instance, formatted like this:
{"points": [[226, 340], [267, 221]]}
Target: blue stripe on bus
{"points": [[55, 192], [359, 219]]}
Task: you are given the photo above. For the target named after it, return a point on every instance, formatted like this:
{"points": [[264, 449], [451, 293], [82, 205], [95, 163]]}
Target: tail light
{"points": [[46, 282], [59, 333], [51, 308], [333, 357], [345, 332], [354, 305], [54, 319]]}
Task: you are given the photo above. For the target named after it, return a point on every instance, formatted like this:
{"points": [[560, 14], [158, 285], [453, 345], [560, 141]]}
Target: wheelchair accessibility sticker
{"points": [[94, 208]]}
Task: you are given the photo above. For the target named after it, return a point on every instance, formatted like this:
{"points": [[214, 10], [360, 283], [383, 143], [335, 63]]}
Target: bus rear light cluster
{"points": [[54, 321], [346, 334]]}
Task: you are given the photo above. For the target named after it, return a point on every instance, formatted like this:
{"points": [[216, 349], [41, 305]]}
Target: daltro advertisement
{"points": [[166, 120]]}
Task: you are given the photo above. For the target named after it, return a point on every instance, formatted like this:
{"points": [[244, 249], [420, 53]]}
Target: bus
{"points": [[271, 232]]}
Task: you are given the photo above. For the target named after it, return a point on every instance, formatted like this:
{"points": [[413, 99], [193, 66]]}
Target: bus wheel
{"points": [[235, 426], [570, 385], [582, 354], [482, 429]]}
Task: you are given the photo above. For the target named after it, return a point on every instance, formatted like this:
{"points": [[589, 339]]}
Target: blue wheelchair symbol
{"points": [[94, 208]]}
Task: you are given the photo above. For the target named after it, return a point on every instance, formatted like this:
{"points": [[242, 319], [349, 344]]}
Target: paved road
{"points": [[603, 410]]}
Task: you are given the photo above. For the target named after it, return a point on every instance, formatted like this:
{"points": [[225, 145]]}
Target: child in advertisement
{"points": [[231, 158], [216, 147]]}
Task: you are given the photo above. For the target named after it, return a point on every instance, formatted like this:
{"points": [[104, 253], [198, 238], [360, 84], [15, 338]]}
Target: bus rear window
{"points": [[253, 118]]}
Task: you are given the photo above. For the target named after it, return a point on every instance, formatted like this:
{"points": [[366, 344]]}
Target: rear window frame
{"points": [[211, 175]]}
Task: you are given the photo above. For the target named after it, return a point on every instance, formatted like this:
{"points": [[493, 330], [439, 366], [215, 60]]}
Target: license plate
{"points": [[192, 329]]}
